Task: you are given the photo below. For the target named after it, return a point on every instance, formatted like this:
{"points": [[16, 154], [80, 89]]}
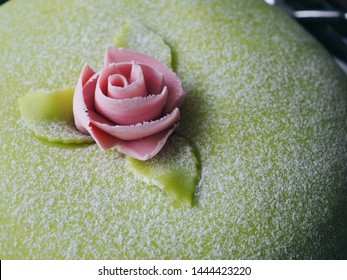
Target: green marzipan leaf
{"points": [[135, 36], [49, 115], [176, 169]]}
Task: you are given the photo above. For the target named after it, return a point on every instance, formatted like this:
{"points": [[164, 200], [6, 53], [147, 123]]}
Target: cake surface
{"points": [[266, 110]]}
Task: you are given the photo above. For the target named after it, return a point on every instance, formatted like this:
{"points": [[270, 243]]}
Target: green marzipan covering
{"points": [[266, 110]]}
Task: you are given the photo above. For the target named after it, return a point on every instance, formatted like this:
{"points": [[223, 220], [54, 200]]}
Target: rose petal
{"points": [[137, 131], [83, 98], [176, 92], [141, 149], [86, 73], [103, 139], [131, 110], [145, 148], [154, 80]]}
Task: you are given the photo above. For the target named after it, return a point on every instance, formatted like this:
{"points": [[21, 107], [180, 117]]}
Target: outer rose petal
{"points": [[104, 140], [141, 149], [176, 92], [83, 98], [145, 148], [137, 131]]}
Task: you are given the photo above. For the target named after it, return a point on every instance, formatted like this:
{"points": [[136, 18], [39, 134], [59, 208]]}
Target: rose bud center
{"points": [[117, 80]]}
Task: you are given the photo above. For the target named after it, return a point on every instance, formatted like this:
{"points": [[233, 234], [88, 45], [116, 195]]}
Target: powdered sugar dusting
{"points": [[272, 138]]}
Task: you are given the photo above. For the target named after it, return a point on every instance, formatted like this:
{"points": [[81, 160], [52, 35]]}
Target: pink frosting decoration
{"points": [[131, 104]]}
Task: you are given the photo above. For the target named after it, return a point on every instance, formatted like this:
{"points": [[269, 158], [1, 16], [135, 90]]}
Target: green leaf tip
{"points": [[176, 169]]}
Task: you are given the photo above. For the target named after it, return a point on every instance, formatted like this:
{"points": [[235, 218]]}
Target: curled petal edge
{"points": [[137, 131], [130, 110], [83, 98], [146, 148], [141, 149]]}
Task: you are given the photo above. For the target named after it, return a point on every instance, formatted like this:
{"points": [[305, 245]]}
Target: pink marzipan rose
{"points": [[131, 104]]}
